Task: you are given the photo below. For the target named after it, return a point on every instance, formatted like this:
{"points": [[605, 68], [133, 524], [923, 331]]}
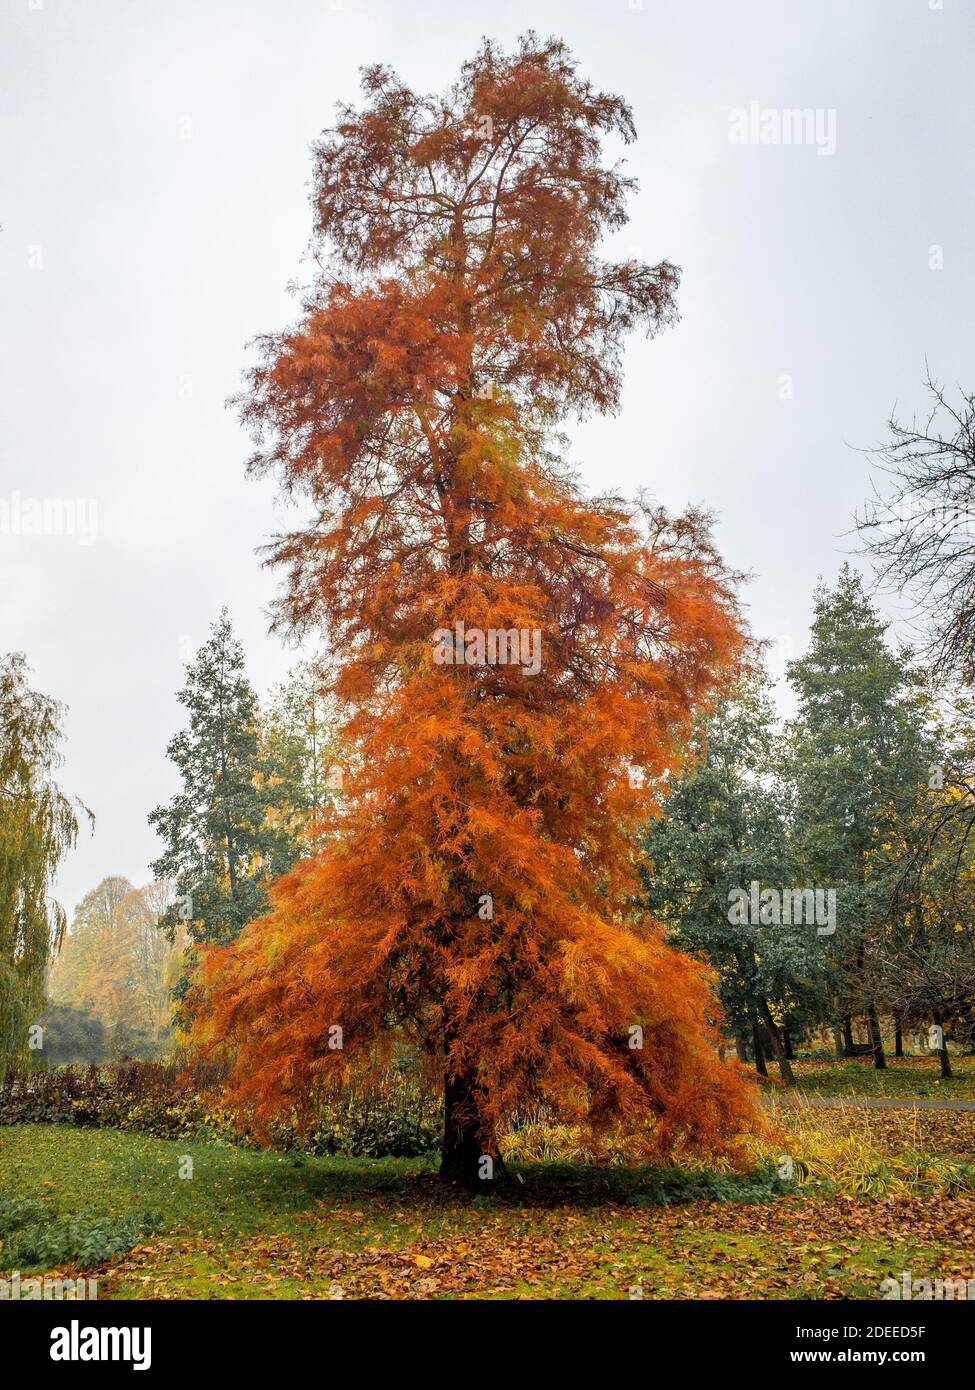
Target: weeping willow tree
{"points": [[38, 825]]}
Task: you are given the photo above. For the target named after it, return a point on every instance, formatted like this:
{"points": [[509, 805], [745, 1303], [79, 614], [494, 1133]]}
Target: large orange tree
{"points": [[475, 893]]}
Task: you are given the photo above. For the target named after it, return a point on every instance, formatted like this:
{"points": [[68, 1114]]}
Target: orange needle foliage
{"points": [[462, 311]]}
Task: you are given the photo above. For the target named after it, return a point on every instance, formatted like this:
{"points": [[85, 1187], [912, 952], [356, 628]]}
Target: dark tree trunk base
{"points": [[467, 1170], [468, 1157]]}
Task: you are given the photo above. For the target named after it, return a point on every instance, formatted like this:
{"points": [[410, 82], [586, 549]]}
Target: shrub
{"points": [[395, 1118]]}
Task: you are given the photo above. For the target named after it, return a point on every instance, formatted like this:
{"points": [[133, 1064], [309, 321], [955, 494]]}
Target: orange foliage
{"points": [[414, 404]]}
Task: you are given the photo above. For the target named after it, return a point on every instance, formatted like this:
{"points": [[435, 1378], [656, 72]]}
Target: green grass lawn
{"points": [[904, 1078], [260, 1225]]}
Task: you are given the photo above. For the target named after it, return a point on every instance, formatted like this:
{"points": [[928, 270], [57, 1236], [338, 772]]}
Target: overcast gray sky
{"points": [[153, 199]]}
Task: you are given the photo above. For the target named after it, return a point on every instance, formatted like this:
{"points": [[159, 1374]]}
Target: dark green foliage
{"points": [[665, 1187], [31, 1235], [858, 746], [859, 751], [222, 847], [725, 825], [824, 805]]}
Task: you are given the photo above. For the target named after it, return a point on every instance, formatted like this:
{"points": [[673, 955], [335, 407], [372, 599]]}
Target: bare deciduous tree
{"points": [[921, 530]]}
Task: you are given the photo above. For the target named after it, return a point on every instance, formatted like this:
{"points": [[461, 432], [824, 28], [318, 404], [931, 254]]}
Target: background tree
{"points": [[859, 757], [920, 531], [112, 967], [926, 962], [920, 526], [38, 824], [222, 846], [299, 742], [478, 893], [723, 827], [69, 1035]]}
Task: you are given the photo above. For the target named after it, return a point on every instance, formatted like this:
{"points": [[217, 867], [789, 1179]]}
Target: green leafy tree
{"points": [[859, 757], [724, 828], [38, 825], [223, 842]]}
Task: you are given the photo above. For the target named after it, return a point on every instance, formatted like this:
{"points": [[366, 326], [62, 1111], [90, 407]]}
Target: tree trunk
{"points": [[760, 1066], [787, 1043], [785, 1069], [465, 1148], [898, 1038], [943, 1057], [740, 1047], [876, 1041], [849, 1049], [838, 1042]]}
